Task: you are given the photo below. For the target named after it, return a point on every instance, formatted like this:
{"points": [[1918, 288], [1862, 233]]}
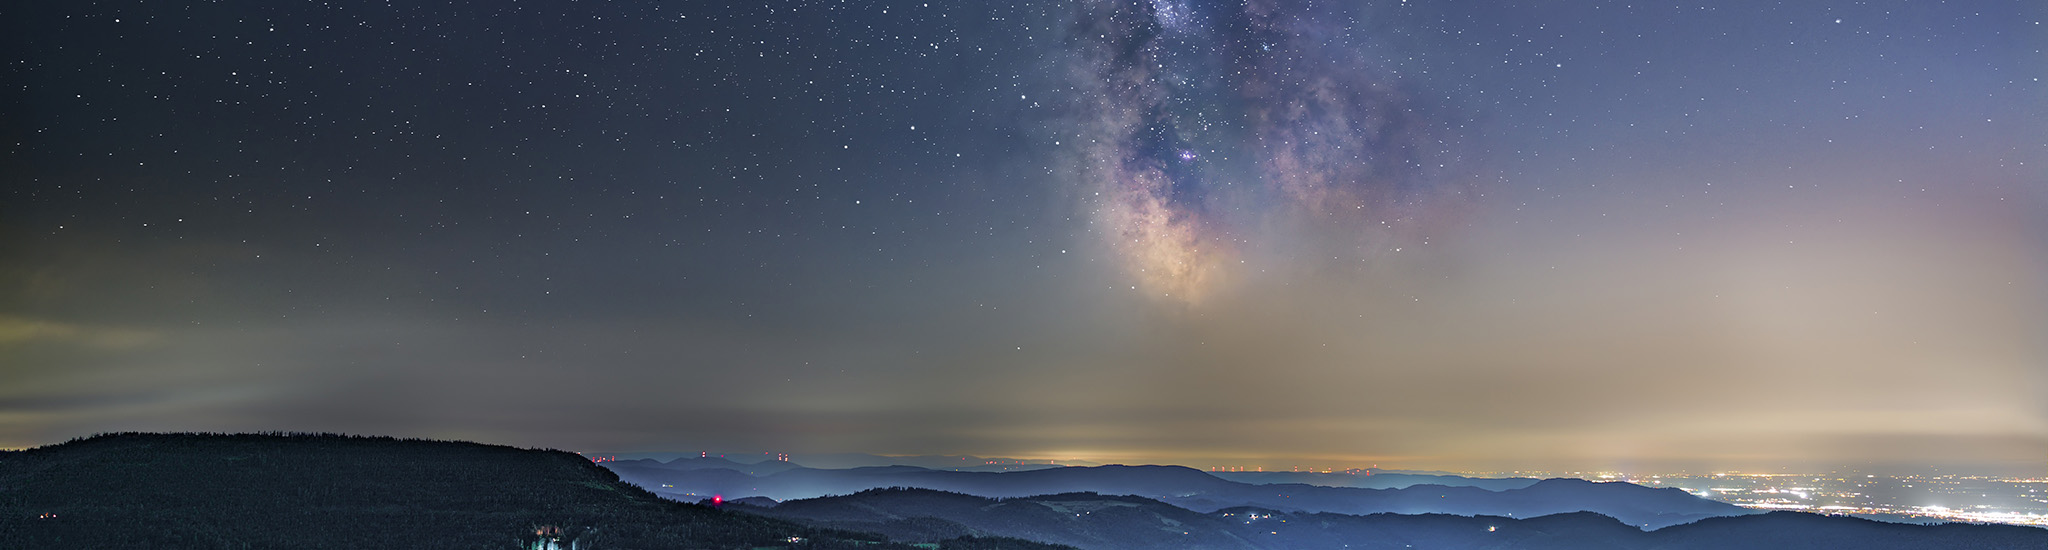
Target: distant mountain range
{"points": [[935, 462], [762, 468], [840, 461], [1084, 520], [1380, 480], [1202, 492], [1098, 522]]}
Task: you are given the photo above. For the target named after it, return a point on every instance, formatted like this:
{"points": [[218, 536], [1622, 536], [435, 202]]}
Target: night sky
{"points": [[1424, 234]]}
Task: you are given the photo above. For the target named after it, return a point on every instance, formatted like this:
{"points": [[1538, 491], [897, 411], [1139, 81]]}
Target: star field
{"points": [[1432, 234]]}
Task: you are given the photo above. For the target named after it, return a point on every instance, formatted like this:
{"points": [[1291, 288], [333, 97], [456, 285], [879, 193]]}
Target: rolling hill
{"points": [[333, 491]]}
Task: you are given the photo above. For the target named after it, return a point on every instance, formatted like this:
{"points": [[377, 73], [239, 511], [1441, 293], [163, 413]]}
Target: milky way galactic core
{"points": [[1208, 130]]}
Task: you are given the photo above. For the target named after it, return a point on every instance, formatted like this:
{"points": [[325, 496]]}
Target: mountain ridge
{"points": [[1111, 522], [1203, 492]]}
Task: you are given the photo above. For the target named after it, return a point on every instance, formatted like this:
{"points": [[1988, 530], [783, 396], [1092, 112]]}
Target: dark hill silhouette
{"points": [[337, 491], [760, 502], [1199, 491], [1098, 522]]}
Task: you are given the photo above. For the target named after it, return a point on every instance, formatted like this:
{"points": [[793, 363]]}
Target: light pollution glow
{"points": [[1438, 235]]}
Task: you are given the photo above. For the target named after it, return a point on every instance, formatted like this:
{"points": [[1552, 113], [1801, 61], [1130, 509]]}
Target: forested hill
{"points": [[334, 491]]}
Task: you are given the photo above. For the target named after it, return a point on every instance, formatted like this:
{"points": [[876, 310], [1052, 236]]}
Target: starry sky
{"points": [[1423, 234]]}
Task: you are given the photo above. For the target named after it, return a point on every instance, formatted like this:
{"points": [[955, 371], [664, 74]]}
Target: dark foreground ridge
{"points": [[136, 490]]}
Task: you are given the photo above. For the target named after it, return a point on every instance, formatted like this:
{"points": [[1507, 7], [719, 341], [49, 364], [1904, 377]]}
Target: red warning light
{"points": [[717, 500]]}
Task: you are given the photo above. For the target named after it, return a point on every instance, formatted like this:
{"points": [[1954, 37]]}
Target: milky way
{"points": [[1207, 130], [1444, 235]]}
